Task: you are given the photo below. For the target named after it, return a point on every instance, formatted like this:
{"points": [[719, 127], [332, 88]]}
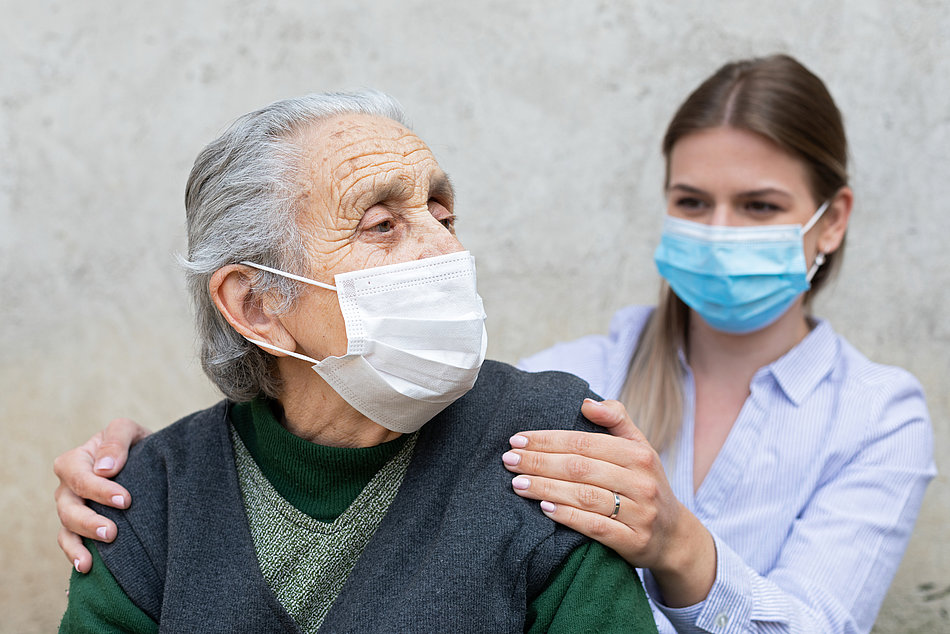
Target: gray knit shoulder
{"points": [[185, 533], [456, 512], [457, 550], [131, 560]]}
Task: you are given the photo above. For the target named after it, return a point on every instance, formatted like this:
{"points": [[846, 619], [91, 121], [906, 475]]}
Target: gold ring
{"points": [[616, 505]]}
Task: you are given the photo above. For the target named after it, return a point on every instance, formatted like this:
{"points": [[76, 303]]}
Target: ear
{"points": [[230, 288], [834, 223]]}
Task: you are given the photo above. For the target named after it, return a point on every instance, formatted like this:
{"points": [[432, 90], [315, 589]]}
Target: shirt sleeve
{"points": [[843, 550], [594, 590], [98, 605]]}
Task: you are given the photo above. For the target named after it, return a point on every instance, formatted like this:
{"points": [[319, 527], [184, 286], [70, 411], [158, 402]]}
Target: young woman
{"points": [[790, 468], [774, 474]]}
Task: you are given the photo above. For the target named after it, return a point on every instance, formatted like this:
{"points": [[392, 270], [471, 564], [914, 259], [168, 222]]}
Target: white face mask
{"points": [[416, 338]]}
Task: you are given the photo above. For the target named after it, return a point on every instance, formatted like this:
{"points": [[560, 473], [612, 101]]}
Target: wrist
{"points": [[687, 571]]}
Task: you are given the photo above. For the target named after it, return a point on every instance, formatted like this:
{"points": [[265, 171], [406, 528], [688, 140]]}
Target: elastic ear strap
{"points": [[816, 217], [305, 280], [302, 357], [819, 260]]}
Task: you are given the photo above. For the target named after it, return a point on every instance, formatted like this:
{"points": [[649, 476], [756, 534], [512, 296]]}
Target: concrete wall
{"points": [[548, 114]]}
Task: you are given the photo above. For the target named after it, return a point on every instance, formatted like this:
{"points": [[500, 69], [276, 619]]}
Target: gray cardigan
{"points": [[457, 551]]}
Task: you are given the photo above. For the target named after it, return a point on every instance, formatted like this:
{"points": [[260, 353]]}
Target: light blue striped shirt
{"points": [[813, 497]]}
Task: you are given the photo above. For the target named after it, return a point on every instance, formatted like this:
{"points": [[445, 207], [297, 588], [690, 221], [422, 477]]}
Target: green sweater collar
{"points": [[318, 480]]}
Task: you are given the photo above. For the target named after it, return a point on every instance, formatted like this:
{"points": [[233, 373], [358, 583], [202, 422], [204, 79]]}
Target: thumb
{"points": [[113, 450], [612, 416]]}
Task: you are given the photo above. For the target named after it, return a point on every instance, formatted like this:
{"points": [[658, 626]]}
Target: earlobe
{"points": [[836, 223], [231, 291]]}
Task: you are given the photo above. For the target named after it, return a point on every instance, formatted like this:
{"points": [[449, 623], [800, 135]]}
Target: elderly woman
{"points": [[350, 482]]}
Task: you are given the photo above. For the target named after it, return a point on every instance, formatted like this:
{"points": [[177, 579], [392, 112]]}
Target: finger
{"points": [[581, 496], [580, 443], [117, 439], [78, 518], [573, 469], [610, 533], [74, 469], [612, 415], [75, 551]]}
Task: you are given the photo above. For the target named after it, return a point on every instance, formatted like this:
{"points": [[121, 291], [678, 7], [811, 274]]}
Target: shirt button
{"points": [[722, 619]]}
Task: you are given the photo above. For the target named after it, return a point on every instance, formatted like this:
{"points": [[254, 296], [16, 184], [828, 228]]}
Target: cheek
{"points": [[318, 326], [811, 244]]}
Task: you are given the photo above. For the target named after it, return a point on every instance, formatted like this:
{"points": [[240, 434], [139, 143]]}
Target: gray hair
{"points": [[240, 204]]}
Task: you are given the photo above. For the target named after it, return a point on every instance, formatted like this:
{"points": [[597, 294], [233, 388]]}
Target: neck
{"points": [[315, 412], [740, 356]]}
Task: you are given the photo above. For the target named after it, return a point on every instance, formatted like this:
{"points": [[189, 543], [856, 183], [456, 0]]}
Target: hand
{"points": [[83, 472], [575, 475]]}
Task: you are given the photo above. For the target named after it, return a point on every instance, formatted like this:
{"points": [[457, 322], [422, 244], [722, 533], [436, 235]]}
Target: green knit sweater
{"points": [[323, 482]]}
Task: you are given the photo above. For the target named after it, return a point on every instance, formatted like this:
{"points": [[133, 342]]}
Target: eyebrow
{"points": [[753, 193], [440, 186], [687, 189], [389, 190]]}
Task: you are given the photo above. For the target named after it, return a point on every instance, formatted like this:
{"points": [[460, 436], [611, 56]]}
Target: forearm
{"points": [[741, 600]]}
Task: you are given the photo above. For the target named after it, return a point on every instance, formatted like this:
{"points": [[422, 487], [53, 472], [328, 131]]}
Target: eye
{"points": [[441, 213], [762, 207], [384, 226], [689, 203]]}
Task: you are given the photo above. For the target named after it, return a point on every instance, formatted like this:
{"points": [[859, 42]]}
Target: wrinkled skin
{"points": [[371, 194], [374, 195]]}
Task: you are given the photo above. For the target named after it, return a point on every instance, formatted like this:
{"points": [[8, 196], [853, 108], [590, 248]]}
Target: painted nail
{"points": [[103, 464], [510, 458], [548, 507], [521, 483], [518, 441], [75, 565], [119, 501], [101, 532]]}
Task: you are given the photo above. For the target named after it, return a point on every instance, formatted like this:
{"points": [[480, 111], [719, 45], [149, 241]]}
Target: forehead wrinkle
{"points": [[397, 162], [361, 139], [356, 156], [388, 183]]}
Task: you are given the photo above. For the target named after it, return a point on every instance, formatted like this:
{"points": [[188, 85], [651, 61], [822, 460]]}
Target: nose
{"points": [[721, 216], [435, 239]]}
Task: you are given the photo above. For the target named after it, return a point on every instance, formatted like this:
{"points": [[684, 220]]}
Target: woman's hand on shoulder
{"points": [[84, 474], [580, 478]]}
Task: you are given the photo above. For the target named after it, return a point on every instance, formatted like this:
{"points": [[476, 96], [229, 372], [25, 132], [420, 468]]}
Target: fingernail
{"points": [[118, 500], [521, 483], [103, 464], [510, 458], [101, 532], [76, 564], [549, 507], [593, 402], [518, 441]]}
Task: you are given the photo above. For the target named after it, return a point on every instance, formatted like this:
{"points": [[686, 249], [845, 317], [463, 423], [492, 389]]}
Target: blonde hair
{"points": [[780, 99]]}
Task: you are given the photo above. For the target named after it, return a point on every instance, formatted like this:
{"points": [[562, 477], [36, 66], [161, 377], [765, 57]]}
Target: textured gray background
{"points": [[548, 114]]}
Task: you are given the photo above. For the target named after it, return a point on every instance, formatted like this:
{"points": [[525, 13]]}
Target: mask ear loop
{"points": [[299, 278], [820, 256], [297, 355], [819, 260], [305, 280], [808, 225]]}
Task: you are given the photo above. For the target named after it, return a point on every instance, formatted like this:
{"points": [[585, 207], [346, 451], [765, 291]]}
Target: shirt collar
{"points": [[800, 369]]}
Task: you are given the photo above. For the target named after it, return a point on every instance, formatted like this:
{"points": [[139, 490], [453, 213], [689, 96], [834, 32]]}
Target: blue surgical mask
{"points": [[739, 279]]}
